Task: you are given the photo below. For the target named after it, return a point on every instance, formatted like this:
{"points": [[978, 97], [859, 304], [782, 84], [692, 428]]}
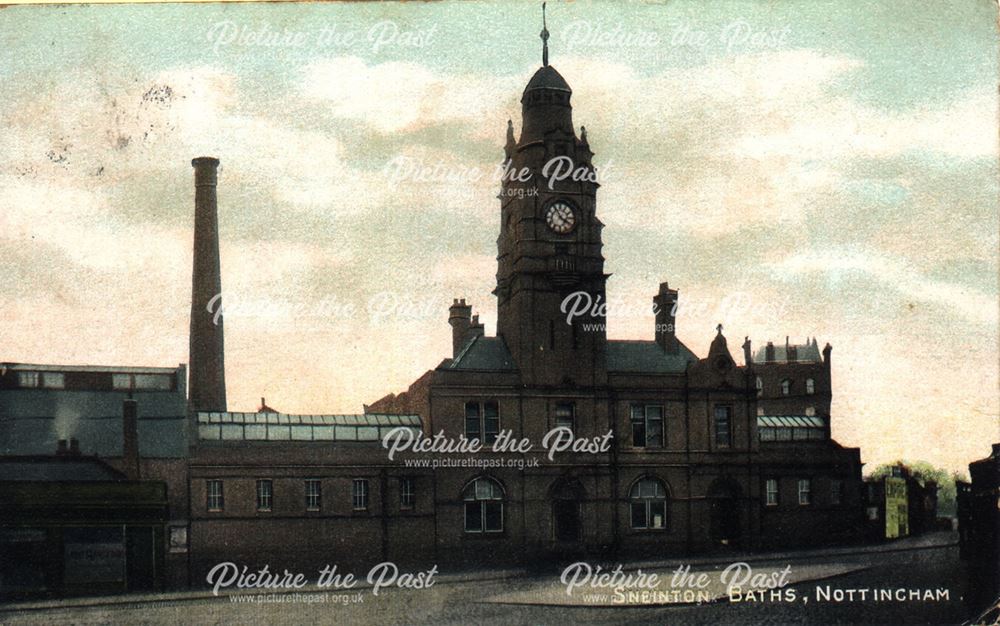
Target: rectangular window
{"points": [[213, 495], [836, 491], [639, 515], [265, 492], [53, 380], [27, 379], [158, 382], [314, 494], [178, 540], [472, 428], [407, 495], [121, 381], [649, 514], [647, 426], [723, 426], [359, 494], [565, 415], [493, 516], [638, 426], [484, 516], [805, 491], [491, 422], [482, 420], [473, 517], [771, 489]]}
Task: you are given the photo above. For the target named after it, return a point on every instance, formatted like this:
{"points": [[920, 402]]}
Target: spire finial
{"points": [[545, 39], [719, 328]]}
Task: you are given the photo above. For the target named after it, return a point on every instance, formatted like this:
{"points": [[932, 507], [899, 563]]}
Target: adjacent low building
{"points": [[899, 505], [132, 418], [72, 524]]}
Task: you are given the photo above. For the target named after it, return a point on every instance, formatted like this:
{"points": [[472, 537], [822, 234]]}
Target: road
{"points": [[524, 600]]}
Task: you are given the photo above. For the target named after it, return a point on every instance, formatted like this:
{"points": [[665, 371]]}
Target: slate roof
{"points": [[56, 469], [647, 357], [491, 354], [547, 78], [102, 436], [484, 353]]}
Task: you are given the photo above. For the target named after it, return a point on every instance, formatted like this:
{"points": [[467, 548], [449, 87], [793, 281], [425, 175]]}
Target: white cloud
{"points": [[841, 128], [402, 97], [893, 273]]}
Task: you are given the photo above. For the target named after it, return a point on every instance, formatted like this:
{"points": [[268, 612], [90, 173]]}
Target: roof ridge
{"points": [[465, 350]]}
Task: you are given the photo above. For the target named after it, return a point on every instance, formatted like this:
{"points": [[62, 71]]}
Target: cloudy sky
{"points": [[808, 168]]}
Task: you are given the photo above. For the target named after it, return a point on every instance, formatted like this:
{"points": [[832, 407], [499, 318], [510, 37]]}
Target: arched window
{"points": [[810, 386], [648, 504], [760, 387], [786, 387], [483, 506]]}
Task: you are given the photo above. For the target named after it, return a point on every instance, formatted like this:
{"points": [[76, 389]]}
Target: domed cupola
{"points": [[545, 103]]}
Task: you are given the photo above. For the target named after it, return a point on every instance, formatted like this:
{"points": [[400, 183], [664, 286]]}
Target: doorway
{"points": [[566, 496], [724, 513]]}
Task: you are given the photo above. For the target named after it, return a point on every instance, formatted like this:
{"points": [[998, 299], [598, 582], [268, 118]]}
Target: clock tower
{"points": [[549, 261]]}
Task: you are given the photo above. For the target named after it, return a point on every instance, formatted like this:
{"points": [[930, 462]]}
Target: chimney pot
{"points": [[61, 448], [74, 447]]}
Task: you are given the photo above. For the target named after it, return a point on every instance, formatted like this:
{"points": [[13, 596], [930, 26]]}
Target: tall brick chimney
{"points": [[460, 318], [130, 438], [665, 330], [207, 378]]}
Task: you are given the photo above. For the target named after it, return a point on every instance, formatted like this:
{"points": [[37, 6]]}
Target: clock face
{"points": [[560, 217]]}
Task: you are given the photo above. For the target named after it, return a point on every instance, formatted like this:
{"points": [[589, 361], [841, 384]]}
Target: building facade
{"points": [[979, 529], [702, 452]]}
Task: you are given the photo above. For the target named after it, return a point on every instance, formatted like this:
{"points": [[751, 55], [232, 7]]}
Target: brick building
{"points": [[703, 452], [128, 429]]}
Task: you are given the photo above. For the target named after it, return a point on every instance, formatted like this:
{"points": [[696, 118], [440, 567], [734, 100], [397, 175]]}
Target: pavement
{"points": [[524, 587]]}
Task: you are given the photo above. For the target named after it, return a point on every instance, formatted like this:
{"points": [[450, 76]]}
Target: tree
{"points": [[923, 472]]}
